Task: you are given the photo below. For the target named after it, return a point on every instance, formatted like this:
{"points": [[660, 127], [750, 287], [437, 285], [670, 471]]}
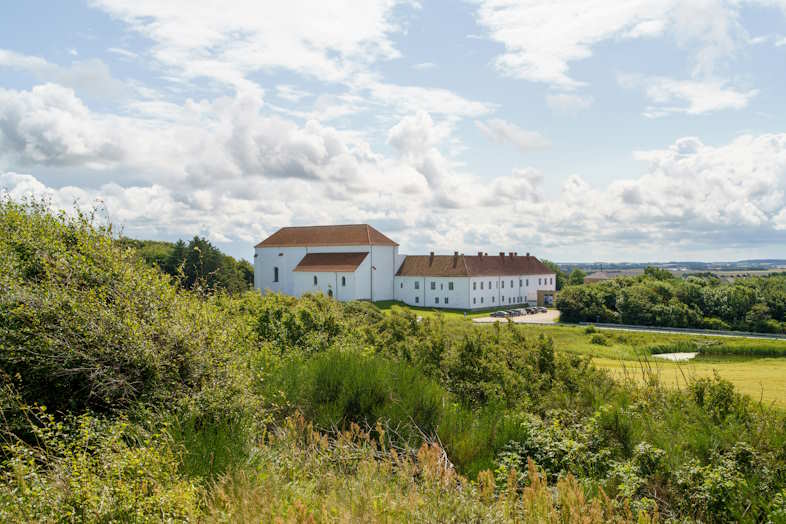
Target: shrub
{"points": [[599, 340], [87, 470], [85, 325]]}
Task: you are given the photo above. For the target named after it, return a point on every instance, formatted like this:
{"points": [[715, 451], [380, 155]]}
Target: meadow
{"points": [[757, 367], [127, 396]]}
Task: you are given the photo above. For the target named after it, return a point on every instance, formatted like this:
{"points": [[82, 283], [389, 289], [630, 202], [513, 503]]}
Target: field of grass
{"points": [[748, 363], [762, 378]]}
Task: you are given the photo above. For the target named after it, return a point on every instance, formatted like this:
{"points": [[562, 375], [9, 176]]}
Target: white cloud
{"points": [[91, 77], [502, 132], [521, 186], [422, 66], [568, 103], [325, 40], [688, 96], [692, 194], [125, 53], [542, 38], [291, 93]]}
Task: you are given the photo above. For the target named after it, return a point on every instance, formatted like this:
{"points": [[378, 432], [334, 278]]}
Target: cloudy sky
{"points": [[579, 130]]}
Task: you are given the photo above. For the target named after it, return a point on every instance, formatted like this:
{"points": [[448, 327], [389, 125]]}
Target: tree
{"points": [[658, 273], [576, 277]]}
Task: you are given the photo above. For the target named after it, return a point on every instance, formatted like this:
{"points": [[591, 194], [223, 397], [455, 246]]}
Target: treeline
{"points": [[657, 298], [197, 262], [127, 398]]}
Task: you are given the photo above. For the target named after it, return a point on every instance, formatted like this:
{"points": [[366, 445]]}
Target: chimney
{"points": [[502, 254], [527, 253], [455, 258], [480, 254], [485, 254], [511, 253], [430, 258]]}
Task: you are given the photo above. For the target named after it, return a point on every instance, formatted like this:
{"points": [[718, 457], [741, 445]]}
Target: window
{"points": [[315, 280], [446, 300], [417, 284], [492, 299], [481, 285], [441, 286], [551, 280], [503, 299], [489, 284], [474, 285], [402, 285], [433, 285], [474, 300], [538, 281], [417, 300], [503, 284], [436, 300], [450, 286], [527, 282], [481, 300], [275, 274], [519, 282], [343, 281], [511, 283]]}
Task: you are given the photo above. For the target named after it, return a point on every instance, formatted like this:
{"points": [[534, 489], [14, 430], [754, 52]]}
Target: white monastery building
{"points": [[357, 262]]}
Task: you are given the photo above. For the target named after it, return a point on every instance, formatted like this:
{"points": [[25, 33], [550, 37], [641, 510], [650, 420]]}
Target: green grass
{"points": [[762, 378]]}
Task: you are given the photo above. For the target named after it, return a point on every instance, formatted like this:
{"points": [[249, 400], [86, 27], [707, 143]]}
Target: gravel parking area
{"points": [[549, 317]]}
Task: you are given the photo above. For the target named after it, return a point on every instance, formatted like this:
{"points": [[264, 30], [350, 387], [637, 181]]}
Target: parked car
{"points": [[502, 314], [542, 310], [514, 313], [531, 310]]}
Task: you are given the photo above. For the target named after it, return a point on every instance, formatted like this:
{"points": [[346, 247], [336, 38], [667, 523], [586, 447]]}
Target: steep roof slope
{"points": [[331, 262], [339, 235], [470, 266]]}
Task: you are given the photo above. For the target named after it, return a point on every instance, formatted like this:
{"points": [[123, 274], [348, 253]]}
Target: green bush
{"points": [[599, 339], [88, 470], [85, 325]]}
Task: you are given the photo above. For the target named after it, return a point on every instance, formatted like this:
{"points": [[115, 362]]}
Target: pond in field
{"points": [[676, 357]]}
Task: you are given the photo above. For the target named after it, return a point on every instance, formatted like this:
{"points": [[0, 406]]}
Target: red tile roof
{"points": [[342, 235], [331, 262], [470, 266]]}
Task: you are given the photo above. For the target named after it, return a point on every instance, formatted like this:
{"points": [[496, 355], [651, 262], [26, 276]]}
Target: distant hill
{"points": [[740, 265], [197, 262]]}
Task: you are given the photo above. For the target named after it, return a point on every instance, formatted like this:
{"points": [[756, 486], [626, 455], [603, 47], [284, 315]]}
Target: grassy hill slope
{"points": [[125, 397]]}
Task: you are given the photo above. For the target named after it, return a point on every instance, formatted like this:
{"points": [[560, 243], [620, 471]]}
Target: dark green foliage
{"points": [[85, 325], [196, 263], [657, 298], [576, 277]]}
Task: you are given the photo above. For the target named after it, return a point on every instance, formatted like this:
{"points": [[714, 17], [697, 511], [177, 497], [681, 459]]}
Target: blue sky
{"points": [[576, 130]]}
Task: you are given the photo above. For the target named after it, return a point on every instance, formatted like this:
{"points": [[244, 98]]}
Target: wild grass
{"points": [[304, 476]]}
